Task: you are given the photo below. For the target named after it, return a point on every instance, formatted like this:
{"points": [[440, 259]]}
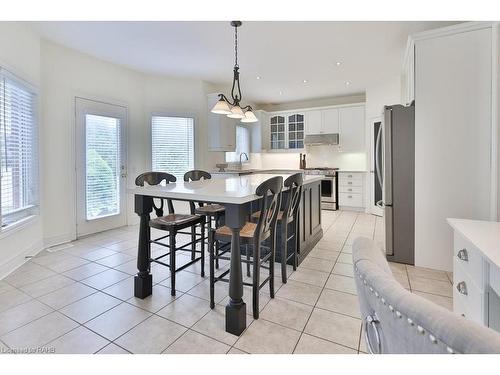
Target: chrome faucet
{"points": [[246, 156]]}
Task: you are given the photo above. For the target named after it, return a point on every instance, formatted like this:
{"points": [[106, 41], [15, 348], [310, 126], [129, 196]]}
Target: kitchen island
{"points": [[237, 194]]}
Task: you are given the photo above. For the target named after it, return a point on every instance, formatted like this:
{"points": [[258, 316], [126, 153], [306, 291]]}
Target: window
{"points": [[296, 131], [18, 150], [242, 145], [172, 145]]}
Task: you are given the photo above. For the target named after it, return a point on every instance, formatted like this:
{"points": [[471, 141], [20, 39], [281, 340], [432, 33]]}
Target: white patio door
{"points": [[100, 166]]}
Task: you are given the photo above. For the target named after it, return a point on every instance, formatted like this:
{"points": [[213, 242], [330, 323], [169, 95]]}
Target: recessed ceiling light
{"points": [[338, 63], [281, 92], [347, 83], [305, 81], [258, 77]]}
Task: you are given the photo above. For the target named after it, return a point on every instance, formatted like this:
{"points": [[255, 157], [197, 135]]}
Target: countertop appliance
{"points": [[395, 172], [329, 186]]}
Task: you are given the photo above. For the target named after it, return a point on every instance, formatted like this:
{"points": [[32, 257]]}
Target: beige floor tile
{"points": [[90, 307], [130, 268], [342, 284], [427, 273], [28, 273], [202, 290], [445, 302], [214, 325], [184, 281], [79, 341], [104, 279], [344, 303], [45, 286], [98, 254], [442, 288], [397, 268], [115, 322], [152, 336], [185, 310], [331, 326], [112, 349], [233, 350], [343, 269], [85, 271], [312, 277], [115, 260], [124, 245], [327, 245], [287, 313], [21, 315], [324, 254], [313, 345], [159, 272], [299, 292], [123, 290], [5, 287], [317, 264], [193, 342], [278, 339], [67, 264], [264, 298], [402, 279], [347, 249], [40, 331], [159, 299], [67, 295], [345, 258], [12, 298]]}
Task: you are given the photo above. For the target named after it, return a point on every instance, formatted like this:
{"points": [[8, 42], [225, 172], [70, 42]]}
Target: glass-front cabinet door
{"points": [[277, 132], [296, 131], [287, 131]]}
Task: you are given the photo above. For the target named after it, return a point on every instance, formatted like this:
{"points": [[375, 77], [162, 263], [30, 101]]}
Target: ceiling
{"points": [[283, 54]]}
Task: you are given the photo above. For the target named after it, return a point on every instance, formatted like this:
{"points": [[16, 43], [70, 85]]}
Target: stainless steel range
{"points": [[329, 186]]}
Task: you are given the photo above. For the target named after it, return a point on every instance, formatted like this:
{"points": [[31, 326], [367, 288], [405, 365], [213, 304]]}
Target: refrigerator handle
{"points": [[378, 154], [387, 144]]}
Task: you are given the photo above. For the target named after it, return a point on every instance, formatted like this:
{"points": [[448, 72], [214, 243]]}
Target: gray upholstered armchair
{"points": [[397, 321]]}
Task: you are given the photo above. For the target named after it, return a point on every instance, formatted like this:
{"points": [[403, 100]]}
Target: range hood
{"points": [[322, 139]]}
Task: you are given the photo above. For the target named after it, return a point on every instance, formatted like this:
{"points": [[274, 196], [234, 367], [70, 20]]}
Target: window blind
{"points": [[18, 150], [242, 145], [172, 145]]}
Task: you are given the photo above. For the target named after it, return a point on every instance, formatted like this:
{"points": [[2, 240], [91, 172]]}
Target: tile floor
{"points": [[79, 299]]}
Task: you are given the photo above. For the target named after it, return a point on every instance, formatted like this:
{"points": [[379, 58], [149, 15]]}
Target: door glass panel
{"points": [[102, 166]]}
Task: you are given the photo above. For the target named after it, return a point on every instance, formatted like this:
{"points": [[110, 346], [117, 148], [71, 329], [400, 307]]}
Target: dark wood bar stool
{"points": [[211, 211], [253, 234], [288, 221], [174, 224]]}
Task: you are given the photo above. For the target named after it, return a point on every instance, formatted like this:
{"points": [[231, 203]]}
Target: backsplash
{"points": [[317, 156]]}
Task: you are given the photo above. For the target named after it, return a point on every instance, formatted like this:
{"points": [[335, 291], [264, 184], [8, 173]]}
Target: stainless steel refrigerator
{"points": [[395, 172]]}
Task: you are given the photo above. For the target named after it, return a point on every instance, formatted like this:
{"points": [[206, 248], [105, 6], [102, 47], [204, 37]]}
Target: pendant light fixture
{"points": [[233, 108]]}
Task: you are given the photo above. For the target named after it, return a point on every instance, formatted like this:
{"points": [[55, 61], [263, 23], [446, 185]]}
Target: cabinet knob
{"points": [[349, 189], [463, 255], [349, 175], [349, 196], [462, 288], [350, 183]]}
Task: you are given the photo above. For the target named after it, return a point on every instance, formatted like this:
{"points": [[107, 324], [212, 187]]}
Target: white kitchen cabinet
{"points": [[352, 129], [408, 78], [330, 120], [351, 190], [314, 123], [221, 129]]}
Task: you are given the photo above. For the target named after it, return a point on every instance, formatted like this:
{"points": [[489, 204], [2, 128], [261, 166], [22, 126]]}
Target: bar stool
{"points": [[174, 224], [287, 218], [253, 234], [211, 211]]}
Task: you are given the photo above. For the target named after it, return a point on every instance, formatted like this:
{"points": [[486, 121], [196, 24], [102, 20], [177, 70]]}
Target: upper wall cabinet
{"points": [[352, 128], [324, 121], [285, 131], [221, 129], [408, 76]]}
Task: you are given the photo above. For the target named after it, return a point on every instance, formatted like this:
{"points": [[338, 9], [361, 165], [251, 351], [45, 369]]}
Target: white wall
{"points": [[66, 73], [20, 54]]}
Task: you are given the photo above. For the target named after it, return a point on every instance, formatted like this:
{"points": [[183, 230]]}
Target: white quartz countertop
{"points": [[233, 189], [485, 235]]}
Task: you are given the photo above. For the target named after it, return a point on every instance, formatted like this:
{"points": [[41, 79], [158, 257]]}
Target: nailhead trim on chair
{"points": [[398, 314]]}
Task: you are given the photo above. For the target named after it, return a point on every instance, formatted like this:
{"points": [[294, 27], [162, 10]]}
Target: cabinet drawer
{"points": [[351, 176], [470, 303], [469, 258], [350, 182], [351, 189], [350, 200]]}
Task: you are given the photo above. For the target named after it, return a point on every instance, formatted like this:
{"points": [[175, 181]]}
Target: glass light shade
{"points": [[236, 112], [249, 117], [221, 108]]}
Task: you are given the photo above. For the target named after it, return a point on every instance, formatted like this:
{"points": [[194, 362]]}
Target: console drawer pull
{"points": [[463, 255], [462, 288]]}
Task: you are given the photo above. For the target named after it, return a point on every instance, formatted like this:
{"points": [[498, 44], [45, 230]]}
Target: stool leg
{"points": [[284, 250], [248, 260], [256, 279], [296, 244], [193, 242], [217, 244], [271, 262], [202, 249], [172, 262], [211, 267]]}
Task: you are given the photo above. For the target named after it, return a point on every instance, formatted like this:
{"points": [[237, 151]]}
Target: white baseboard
{"points": [[57, 240], [15, 262]]}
